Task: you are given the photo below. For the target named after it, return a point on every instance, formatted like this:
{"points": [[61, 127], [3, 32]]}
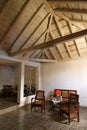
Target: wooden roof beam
{"points": [[51, 43], [68, 20], [56, 47], [37, 11], [70, 28], [42, 60], [60, 32], [42, 21], [13, 23], [65, 10]]}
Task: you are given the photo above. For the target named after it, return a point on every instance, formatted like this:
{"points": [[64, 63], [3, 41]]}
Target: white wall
{"points": [[6, 75], [66, 75]]}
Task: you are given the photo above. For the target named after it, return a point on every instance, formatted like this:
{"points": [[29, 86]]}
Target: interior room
{"points": [[43, 64]]}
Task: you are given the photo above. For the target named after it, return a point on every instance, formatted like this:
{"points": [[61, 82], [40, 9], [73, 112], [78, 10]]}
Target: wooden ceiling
{"points": [[44, 30]]}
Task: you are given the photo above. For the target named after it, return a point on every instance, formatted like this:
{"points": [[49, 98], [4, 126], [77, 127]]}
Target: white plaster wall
{"points": [[66, 75], [6, 75]]}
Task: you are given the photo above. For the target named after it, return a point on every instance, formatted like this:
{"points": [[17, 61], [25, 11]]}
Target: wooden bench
{"points": [[60, 94], [65, 93]]}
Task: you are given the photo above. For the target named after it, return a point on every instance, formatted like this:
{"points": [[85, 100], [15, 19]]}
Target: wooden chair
{"points": [[70, 108], [39, 100]]}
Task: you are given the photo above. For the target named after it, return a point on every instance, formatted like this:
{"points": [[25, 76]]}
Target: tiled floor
{"points": [[7, 102], [24, 119]]}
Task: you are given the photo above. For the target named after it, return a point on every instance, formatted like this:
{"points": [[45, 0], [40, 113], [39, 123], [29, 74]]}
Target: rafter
{"points": [[37, 40], [13, 22], [65, 10], [60, 32], [42, 21], [48, 57], [44, 33], [56, 47], [70, 28], [30, 20], [67, 49], [48, 44]]}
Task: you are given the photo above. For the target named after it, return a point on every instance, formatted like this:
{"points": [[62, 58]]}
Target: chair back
{"points": [[40, 95], [74, 98]]}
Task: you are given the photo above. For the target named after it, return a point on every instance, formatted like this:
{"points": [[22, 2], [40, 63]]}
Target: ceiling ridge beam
{"points": [[65, 10], [13, 22], [38, 9], [56, 41]]}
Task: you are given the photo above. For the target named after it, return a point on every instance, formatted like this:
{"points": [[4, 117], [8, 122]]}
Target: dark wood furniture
{"points": [[39, 100], [8, 90], [70, 108], [62, 94], [65, 93]]}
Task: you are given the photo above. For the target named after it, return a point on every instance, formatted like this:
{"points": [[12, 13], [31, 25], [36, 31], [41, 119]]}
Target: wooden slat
{"points": [[70, 21], [4, 4], [53, 42], [37, 40], [56, 47], [48, 57], [35, 30], [65, 10], [44, 33], [68, 51], [30, 20], [60, 32], [60, 52], [70, 27], [54, 57], [12, 23]]}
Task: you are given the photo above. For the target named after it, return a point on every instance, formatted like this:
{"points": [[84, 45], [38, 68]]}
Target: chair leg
{"points": [[31, 108], [60, 115], [69, 118], [78, 116]]}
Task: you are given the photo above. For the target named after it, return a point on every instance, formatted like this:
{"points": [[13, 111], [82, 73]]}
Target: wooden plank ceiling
{"points": [[43, 30]]}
